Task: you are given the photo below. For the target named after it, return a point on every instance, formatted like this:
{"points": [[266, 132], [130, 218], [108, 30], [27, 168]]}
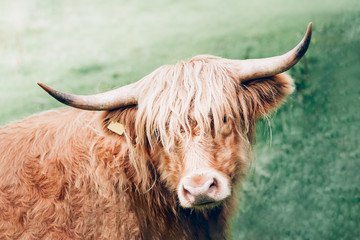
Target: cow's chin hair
{"points": [[208, 206], [205, 207]]}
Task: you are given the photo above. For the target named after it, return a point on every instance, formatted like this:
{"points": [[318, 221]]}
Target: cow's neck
{"points": [[160, 217]]}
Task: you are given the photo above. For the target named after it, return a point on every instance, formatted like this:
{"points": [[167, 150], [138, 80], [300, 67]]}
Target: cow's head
{"points": [[195, 119]]}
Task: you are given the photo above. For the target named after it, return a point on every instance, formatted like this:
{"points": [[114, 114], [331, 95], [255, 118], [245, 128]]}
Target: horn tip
{"points": [[309, 28], [43, 86], [61, 97], [304, 44]]}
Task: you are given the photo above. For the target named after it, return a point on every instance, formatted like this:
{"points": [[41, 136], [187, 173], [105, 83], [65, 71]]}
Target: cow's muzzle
{"points": [[205, 189]]}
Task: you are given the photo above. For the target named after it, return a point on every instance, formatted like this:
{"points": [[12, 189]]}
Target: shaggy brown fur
{"points": [[64, 175]]}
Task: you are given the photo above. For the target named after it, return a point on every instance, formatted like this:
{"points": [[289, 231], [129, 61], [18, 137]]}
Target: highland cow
{"points": [[161, 159]]}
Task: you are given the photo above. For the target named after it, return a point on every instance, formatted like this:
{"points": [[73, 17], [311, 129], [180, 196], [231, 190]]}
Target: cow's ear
{"points": [[120, 121], [261, 96]]}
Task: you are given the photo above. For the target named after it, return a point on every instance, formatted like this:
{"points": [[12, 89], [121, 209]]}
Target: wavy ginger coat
{"points": [[64, 175]]}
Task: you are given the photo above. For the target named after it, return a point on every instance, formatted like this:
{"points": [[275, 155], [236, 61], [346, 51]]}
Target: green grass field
{"points": [[305, 178]]}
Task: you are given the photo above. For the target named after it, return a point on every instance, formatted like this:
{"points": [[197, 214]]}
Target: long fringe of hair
{"points": [[176, 98]]}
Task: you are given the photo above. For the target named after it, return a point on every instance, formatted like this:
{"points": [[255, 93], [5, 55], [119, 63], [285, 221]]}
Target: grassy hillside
{"points": [[304, 183]]}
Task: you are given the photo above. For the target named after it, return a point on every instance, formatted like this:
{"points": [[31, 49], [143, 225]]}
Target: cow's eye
{"points": [[224, 119], [226, 129]]}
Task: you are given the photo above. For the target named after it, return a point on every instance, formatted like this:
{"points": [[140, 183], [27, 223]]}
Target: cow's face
{"points": [[202, 167], [192, 123], [198, 123]]}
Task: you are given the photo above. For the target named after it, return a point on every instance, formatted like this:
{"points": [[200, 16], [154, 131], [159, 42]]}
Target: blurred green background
{"points": [[305, 178]]}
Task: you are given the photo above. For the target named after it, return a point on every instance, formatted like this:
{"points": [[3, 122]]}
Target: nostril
{"points": [[187, 194], [213, 186]]}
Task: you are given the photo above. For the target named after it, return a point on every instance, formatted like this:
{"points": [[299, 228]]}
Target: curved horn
{"points": [[267, 67], [120, 97]]}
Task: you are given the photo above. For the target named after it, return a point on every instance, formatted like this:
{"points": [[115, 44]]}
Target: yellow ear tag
{"points": [[116, 128]]}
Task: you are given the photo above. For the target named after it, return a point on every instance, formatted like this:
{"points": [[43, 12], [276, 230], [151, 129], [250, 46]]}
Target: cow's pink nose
{"points": [[200, 190]]}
